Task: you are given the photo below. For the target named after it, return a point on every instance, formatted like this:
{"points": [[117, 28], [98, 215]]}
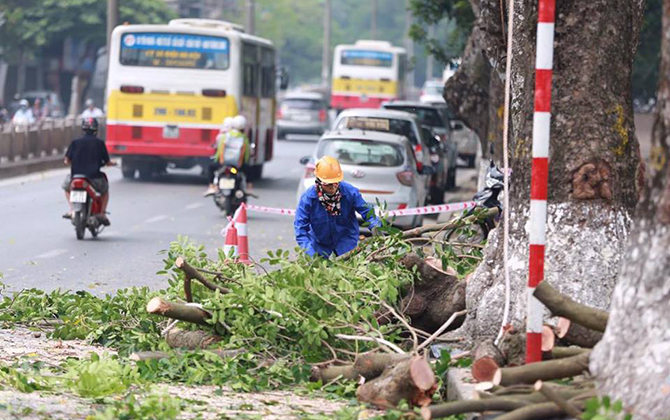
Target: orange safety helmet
{"points": [[328, 170]]}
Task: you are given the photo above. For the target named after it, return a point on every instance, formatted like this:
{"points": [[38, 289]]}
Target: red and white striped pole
{"points": [[540, 173]]}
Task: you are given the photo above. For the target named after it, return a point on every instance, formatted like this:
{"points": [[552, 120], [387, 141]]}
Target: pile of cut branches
{"points": [[560, 385]]}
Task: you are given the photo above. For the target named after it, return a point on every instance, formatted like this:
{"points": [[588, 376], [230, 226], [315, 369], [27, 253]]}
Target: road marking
{"points": [[193, 206], [156, 218], [52, 254]]}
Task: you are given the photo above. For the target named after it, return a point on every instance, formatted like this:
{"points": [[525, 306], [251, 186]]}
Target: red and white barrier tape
{"points": [[539, 174], [441, 208]]}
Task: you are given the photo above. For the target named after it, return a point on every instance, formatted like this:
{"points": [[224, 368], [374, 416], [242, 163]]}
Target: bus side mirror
{"points": [[457, 125]]}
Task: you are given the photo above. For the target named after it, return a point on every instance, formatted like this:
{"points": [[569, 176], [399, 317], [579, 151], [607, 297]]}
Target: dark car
{"points": [[436, 117]]}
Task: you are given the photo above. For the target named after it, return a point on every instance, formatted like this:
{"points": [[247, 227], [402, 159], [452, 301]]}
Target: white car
{"points": [[380, 165], [431, 92], [390, 121]]}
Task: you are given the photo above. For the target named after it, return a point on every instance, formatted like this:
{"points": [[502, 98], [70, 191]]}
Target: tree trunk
{"points": [[411, 380], [433, 286], [631, 361], [594, 161]]}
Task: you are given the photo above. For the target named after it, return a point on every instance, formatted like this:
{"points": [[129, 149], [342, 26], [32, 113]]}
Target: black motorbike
{"points": [[230, 192], [488, 198]]}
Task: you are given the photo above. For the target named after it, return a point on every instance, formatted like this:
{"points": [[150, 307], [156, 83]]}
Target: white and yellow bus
{"points": [[366, 74], [170, 87]]}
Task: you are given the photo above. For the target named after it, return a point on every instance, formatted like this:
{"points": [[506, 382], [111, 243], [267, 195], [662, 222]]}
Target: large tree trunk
{"points": [[631, 361], [594, 160]]}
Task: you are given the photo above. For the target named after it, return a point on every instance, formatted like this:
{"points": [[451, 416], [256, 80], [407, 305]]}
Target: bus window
{"points": [[250, 76], [267, 73]]}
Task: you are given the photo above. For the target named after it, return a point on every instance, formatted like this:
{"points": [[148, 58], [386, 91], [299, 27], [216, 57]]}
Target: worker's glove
{"points": [[376, 232]]}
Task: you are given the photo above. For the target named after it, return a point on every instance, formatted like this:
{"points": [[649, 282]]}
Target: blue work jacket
{"points": [[318, 232]]}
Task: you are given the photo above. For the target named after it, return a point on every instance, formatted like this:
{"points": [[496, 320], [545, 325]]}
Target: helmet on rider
{"points": [[239, 123], [328, 170], [227, 124], [89, 125], [24, 103]]}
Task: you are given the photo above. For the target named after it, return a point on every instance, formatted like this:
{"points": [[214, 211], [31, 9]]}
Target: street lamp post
{"points": [[251, 17], [325, 57]]}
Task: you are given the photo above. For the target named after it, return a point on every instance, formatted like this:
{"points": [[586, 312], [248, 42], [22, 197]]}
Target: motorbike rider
{"points": [[24, 115], [85, 156], [325, 220], [215, 164], [232, 149]]}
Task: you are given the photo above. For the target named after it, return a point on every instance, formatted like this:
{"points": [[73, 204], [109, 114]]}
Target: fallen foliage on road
{"points": [[369, 325]]}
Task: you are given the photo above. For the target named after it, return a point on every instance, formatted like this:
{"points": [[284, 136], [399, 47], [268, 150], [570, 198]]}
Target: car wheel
{"points": [[436, 195], [255, 172], [451, 178], [281, 135]]}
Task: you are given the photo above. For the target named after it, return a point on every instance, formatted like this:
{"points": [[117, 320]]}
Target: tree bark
{"points": [[630, 363], [594, 162], [190, 340], [434, 297], [411, 380], [369, 366], [578, 335]]}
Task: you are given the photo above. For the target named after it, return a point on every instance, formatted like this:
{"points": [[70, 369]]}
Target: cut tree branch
{"points": [[470, 406], [374, 339], [561, 305], [180, 311], [191, 273], [550, 393], [441, 329], [417, 232], [548, 370]]}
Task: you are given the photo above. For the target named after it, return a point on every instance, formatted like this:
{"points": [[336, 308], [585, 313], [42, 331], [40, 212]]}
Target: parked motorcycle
{"points": [[230, 192], [87, 206], [488, 198]]}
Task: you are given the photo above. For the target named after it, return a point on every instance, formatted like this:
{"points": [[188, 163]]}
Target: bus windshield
{"points": [[367, 58], [162, 49]]}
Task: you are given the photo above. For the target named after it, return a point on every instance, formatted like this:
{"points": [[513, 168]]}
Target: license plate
{"points": [[302, 117], [78, 196], [171, 132], [226, 183]]}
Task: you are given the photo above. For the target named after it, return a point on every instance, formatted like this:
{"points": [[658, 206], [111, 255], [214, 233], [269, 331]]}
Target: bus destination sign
{"points": [[174, 50]]}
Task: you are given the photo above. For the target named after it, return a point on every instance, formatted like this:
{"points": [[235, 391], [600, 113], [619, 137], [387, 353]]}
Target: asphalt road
{"points": [[39, 248]]}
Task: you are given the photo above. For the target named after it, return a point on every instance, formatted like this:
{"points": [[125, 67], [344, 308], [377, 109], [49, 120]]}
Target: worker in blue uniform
{"points": [[325, 220]]}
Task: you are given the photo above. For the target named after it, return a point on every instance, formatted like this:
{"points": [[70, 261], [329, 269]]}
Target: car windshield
{"points": [[433, 89], [426, 116], [387, 125], [362, 152], [302, 104]]}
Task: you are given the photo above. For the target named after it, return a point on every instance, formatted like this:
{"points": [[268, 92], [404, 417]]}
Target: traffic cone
{"points": [[231, 240], [242, 238]]}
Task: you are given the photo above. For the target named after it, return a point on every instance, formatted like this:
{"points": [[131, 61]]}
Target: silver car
{"points": [[381, 165], [437, 118], [303, 113]]}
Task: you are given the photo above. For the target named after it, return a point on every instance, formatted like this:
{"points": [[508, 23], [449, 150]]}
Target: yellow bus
{"points": [[366, 74], [170, 87]]}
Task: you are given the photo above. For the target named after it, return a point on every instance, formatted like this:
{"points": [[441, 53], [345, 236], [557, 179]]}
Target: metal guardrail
{"points": [[49, 138]]}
